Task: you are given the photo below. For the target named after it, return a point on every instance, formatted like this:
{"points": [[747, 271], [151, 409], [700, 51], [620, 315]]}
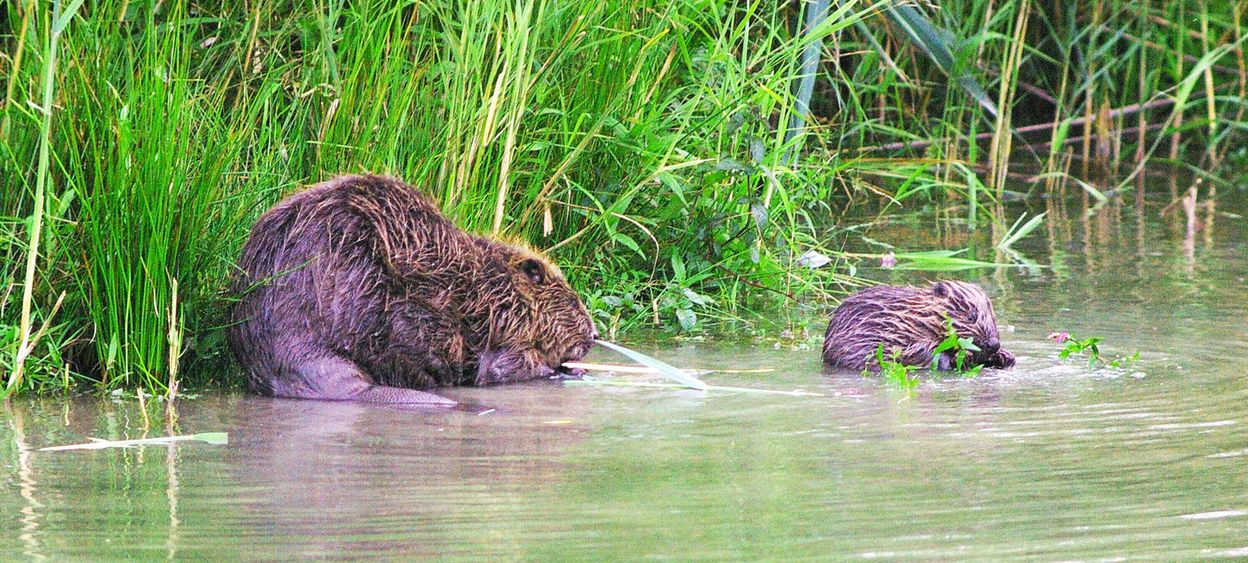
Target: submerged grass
{"points": [[652, 147]]}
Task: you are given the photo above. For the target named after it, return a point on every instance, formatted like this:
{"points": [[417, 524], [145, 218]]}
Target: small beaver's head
{"points": [[542, 326], [972, 314]]}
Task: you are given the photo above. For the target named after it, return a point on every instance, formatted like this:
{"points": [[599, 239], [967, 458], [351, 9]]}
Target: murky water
{"points": [[1050, 460]]}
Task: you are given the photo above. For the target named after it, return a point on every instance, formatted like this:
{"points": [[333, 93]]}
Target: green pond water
{"points": [[1050, 460]]}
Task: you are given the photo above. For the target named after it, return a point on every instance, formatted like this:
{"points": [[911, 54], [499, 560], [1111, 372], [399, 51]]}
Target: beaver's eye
{"points": [[972, 317], [533, 270]]}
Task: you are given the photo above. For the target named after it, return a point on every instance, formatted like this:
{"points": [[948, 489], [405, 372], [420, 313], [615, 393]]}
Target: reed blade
{"points": [[939, 46], [667, 370]]}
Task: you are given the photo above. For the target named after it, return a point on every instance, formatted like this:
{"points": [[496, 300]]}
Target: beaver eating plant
{"points": [[358, 288], [910, 322]]}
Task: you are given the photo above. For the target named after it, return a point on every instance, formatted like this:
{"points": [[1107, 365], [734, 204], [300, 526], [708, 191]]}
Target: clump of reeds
{"points": [[678, 158]]}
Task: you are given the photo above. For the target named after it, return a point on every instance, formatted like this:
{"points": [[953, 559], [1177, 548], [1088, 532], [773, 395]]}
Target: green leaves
{"points": [[1089, 347], [1016, 232], [939, 45], [893, 371], [940, 261], [960, 345], [902, 375], [62, 19]]}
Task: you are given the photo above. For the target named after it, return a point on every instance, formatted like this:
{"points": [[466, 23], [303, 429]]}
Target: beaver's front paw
{"points": [[1000, 360]]}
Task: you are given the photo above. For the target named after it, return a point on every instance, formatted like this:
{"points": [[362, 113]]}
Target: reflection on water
{"points": [[1049, 460]]}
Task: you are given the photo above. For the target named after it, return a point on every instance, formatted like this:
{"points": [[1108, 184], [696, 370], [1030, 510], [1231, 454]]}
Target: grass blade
{"points": [[941, 261], [215, 438], [650, 384], [667, 370], [1015, 233], [937, 44]]}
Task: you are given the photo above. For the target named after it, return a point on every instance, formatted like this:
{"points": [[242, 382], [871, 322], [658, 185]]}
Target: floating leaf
{"points": [[941, 261]]}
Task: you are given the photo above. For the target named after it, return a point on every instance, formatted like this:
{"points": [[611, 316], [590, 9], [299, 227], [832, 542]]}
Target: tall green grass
{"points": [[648, 145]]}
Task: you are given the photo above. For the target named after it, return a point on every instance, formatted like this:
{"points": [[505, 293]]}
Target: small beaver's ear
{"points": [[940, 289], [533, 269]]}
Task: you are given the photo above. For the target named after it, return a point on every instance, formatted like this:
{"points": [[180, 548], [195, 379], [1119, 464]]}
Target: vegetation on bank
{"points": [[669, 155]]}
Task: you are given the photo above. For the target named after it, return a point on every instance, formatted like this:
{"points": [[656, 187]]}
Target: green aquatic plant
{"points": [[940, 261], [903, 375], [893, 371], [1089, 347], [960, 346]]}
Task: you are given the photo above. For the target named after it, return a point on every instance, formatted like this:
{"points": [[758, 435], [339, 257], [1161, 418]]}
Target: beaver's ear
{"points": [[533, 269], [939, 289]]}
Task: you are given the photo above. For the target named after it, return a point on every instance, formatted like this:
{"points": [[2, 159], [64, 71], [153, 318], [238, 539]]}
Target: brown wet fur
{"points": [[910, 321], [358, 288]]}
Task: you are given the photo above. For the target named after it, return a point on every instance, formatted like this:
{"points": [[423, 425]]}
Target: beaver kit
{"points": [[910, 322], [360, 289]]}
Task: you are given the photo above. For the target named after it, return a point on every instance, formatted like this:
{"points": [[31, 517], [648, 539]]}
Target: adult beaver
{"points": [[358, 288], [910, 321]]}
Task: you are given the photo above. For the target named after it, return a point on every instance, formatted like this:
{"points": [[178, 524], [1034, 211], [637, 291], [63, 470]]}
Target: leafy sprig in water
{"points": [[1089, 347], [902, 375], [961, 345], [893, 371]]}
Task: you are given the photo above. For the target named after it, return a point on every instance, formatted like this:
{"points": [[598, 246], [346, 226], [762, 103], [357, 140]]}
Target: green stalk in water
{"points": [[216, 438], [727, 388]]}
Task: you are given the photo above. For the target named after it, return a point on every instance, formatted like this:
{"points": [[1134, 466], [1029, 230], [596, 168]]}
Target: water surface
{"points": [[1050, 460]]}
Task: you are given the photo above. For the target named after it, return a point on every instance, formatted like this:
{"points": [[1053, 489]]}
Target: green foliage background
{"points": [[652, 147]]}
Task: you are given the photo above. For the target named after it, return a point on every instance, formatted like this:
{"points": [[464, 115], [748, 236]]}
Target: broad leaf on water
{"points": [[668, 371]]}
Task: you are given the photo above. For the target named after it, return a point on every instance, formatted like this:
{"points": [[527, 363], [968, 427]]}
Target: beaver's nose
{"points": [[994, 344]]}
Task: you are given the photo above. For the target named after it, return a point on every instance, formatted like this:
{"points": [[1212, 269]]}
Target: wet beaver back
{"points": [[911, 322], [358, 288]]}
